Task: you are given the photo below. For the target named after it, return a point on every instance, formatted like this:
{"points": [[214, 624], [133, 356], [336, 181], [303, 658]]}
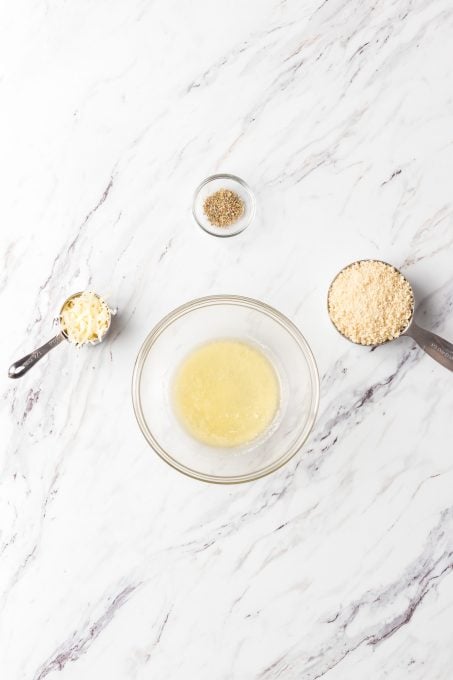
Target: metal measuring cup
{"points": [[438, 348], [22, 366]]}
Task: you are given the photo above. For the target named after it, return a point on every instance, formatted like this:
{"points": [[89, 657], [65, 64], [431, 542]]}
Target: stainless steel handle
{"points": [[439, 349], [19, 368]]}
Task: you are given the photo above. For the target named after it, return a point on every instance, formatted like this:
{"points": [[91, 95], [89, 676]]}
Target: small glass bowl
{"points": [[223, 181], [202, 321]]}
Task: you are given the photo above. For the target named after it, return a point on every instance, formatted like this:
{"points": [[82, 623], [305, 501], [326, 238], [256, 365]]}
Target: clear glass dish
{"points": [[204, 320], [223, 181]]}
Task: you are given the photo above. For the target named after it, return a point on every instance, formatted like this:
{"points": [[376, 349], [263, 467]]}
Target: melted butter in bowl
{"points": [[226, 393], [225, 389]]}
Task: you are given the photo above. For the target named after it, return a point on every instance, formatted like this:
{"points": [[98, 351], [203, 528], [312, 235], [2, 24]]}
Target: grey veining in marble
{"points": [[339, 114]]}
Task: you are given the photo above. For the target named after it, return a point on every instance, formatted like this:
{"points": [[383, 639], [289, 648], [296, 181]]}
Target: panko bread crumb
{"points": [[370, 302]]}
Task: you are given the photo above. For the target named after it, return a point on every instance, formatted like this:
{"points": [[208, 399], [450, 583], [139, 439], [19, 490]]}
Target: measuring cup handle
{"points": [[19, 368], [438, 348]]}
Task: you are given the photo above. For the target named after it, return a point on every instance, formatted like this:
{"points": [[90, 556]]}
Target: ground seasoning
{"points": [[223, 208], [370, 302]]}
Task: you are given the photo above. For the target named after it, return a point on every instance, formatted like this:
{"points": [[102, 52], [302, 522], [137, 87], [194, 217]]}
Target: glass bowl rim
{"points": [[234, 300], [229, 232]]}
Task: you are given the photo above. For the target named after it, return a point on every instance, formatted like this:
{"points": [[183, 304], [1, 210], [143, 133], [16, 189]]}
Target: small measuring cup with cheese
{"points": [[84, 319]]}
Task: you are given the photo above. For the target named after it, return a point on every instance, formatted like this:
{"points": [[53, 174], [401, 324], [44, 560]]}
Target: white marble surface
{"points": [[340, 115]]}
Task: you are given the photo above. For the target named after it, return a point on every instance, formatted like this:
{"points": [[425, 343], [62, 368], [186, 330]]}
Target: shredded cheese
{"points": [[85, 318]]}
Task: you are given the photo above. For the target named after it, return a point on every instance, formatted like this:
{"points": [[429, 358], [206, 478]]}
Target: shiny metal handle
{"points": [[439, 349], [19, 368]]}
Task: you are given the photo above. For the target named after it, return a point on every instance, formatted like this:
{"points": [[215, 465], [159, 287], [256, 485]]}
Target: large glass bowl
{"points": [[222, 317]]}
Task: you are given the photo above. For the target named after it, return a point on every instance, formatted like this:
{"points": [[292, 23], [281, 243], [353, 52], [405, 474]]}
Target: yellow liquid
{"points": [[226, 393]]}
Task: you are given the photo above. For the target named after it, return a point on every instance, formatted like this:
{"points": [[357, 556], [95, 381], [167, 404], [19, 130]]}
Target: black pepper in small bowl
{"points": [[224, 205], [223, 208]]}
